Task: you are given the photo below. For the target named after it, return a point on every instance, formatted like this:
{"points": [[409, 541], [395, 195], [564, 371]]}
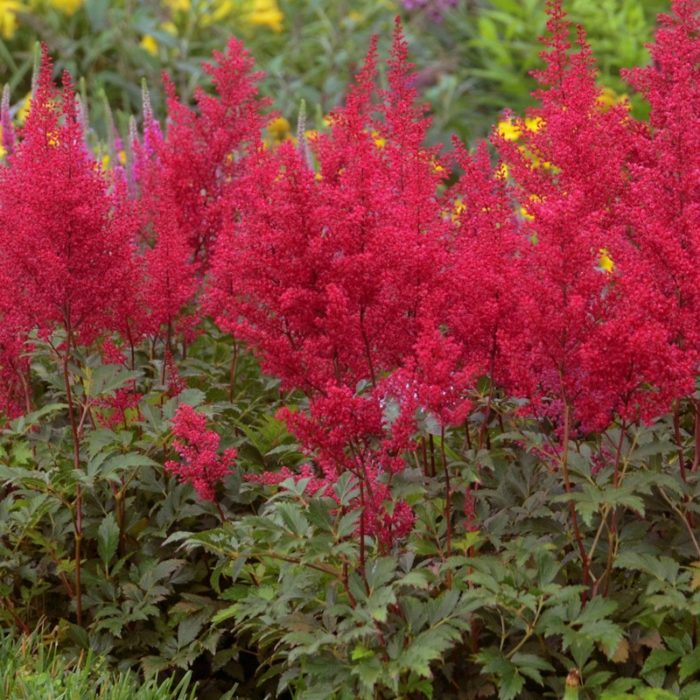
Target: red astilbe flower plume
{"points": [[179, 176], [663, 206], [62, 247], [570, 178], [472, 305], [323, 275], [203, 151], [200, 462]]}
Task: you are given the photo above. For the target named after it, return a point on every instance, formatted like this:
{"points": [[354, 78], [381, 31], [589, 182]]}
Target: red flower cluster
{"points": [[201, 464], [365, 273], [64, 237]]}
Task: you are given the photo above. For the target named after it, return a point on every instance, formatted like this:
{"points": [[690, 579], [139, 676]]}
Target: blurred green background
{"points": [[472, 63]]}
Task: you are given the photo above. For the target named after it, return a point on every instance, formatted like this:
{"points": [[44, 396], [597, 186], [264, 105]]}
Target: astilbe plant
{"points": [[63, 247], [663, 203], [177, 176], [65, 243], [325, 273]]}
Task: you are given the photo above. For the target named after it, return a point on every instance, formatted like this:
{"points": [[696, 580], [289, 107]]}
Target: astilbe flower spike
{"points": [[177, 178], [663, 206], [200, 463], [202, 152], [62, 247]]}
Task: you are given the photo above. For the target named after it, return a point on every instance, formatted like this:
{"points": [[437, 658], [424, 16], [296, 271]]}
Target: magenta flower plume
{"points": [[200, 462], [63, 249]]}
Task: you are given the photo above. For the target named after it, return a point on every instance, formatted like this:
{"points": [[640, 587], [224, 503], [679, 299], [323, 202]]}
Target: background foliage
{"points": [[475, 61]]}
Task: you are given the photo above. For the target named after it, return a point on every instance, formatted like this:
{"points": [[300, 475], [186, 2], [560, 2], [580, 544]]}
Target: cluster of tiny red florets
{"points": [[379, 276], [200, 463]]}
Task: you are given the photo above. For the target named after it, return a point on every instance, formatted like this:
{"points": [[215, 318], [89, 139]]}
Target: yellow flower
{"points": [[525, 211], [508, 130], [438, 167], [251, 13], [178, 5], [8, 17], [169, 28], [24, 109], [605, 262], [526, 214], [149, 43], [379, 140], [265, 13], [68, 7], [2, 150], [534, 124], [458, 208], [609, 98], [106, 160], [278, 129], [502, 171]]}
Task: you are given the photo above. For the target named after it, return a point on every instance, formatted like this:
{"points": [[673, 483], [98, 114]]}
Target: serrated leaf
{"points": [[690, 665], [659, 658], [107, 538]]}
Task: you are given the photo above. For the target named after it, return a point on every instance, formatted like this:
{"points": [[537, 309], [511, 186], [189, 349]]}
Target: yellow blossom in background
{"points": [[169, 28], [68, 7], [379, 140], [106, 160], [534, 124], [525, 211], [526, 214], [149, 43], [609, 98], [278, 129], [178, 5], [458, 208], [2, 150], [24, 109], [508, 130], [605, 262], [8, 17], [502, 171], [438, 167], [264, 13], [250, 13]]}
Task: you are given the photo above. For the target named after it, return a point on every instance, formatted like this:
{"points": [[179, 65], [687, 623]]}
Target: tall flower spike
{"points": [[62, 248], [203, 152]]}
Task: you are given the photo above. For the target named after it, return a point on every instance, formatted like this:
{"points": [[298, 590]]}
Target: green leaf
{"points": [[107, 538], [690, 665], [659, 658], [361, 652]]}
